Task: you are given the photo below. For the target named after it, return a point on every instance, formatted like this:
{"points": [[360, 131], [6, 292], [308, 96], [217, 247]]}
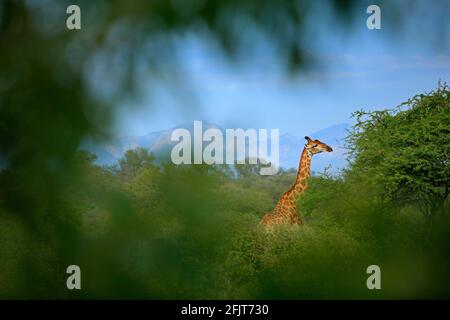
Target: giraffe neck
{"points": [[304, 171]]}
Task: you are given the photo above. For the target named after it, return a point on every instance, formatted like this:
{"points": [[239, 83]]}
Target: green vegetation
{"points": [[406, 153], [141, 230]]}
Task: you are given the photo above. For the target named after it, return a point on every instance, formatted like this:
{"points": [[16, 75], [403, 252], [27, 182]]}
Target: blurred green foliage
{"points": [[142, 230]]}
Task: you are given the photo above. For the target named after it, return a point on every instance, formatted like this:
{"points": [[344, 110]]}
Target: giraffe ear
{"points": [[308, 138]]}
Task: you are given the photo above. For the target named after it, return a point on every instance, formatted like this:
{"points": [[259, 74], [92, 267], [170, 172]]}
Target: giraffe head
{"points": [[316, 146]]}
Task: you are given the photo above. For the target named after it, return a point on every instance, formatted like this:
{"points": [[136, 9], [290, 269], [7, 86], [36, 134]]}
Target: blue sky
{"points": [[359, 69]]}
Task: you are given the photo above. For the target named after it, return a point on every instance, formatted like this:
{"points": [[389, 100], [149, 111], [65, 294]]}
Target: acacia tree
{"points": [[406, 151]]}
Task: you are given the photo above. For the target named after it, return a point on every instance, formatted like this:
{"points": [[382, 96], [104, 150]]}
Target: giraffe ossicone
{"points": [[285, 212]]}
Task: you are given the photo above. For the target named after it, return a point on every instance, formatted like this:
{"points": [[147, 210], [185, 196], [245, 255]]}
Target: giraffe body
{"points": [[285, 212]]}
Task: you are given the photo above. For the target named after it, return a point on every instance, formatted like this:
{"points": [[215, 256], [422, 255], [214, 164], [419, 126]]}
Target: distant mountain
{"points": [[157, 142], [290, 146]]}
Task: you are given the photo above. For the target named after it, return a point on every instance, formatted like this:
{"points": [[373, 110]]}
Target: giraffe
{"points": [[285, 212]]}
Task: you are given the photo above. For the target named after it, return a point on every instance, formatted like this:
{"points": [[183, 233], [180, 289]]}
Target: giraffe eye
{"points": [[315, 145]]}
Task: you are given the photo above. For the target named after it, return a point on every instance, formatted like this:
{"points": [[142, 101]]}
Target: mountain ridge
{"points": [[158, 142]]}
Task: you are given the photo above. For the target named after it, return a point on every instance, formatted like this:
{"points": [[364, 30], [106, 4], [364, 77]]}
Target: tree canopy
{"points": [[406, 151]]}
